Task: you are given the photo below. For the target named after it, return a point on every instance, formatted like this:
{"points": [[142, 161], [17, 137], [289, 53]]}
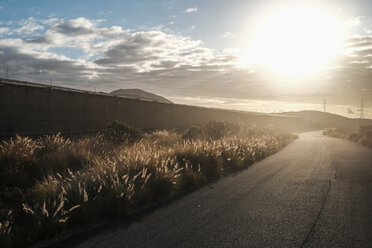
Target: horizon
{"points": [[245, 105], [265, 52]]}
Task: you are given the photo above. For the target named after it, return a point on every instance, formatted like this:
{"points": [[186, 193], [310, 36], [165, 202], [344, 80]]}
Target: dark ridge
{"points": [[141, 94]]}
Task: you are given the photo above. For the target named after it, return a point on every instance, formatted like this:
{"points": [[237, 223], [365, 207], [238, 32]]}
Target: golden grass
{"points": [[57, 183]]}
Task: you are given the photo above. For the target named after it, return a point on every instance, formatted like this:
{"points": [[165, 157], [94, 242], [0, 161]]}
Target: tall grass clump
{"points": [[52, 183]]}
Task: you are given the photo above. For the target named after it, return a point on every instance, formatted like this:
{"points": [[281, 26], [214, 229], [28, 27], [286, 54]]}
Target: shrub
{"points": [[212, 130], [363, 137], [120, 133], [365, 130], [353, 137], [215, 130], [233, 128], [193, 132]]}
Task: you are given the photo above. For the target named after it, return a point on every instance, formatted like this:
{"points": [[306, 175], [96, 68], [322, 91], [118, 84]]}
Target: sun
{"points": [[295, 41]]}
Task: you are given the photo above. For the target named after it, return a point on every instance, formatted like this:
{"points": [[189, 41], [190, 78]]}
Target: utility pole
{"points": [[7, 72], [362, 109], [324, 105]]}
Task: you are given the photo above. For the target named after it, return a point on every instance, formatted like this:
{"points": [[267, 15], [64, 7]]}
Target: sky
{"points": [[297, 52]]}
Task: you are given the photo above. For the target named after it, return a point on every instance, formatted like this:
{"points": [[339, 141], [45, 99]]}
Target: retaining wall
{"points": [[35, 109]]}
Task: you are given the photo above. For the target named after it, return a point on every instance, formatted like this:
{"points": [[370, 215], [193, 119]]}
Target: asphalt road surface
{"points": [[316, 192]]}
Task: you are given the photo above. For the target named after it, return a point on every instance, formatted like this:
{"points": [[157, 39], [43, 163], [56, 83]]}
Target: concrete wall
{"points": [[34, 109]]}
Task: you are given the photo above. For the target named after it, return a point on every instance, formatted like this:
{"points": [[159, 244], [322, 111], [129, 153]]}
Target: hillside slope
{"points": [[325, 120]]}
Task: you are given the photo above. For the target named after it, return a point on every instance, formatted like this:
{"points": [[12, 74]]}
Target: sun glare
{"points": [[295, 41]]}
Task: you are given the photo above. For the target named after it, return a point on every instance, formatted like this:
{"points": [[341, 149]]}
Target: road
{"points": [[316, 192]]}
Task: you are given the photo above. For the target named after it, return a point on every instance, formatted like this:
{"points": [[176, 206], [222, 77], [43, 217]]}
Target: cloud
{"points": [[191, 28], [358, 41], [39, 40], [226, 35], [110, 55], [75, 27], [28, 26], [155, 50], [355, 21], [351, 72], [81, 52], [190, 10], [35, 10], [4, 30], [359, 46], [133, 49], [31, 65], [364, 52], [50, 21], [84, 27]]}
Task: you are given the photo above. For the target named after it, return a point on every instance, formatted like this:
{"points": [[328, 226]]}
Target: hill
{"points": [[325, 120], [141, 94]]}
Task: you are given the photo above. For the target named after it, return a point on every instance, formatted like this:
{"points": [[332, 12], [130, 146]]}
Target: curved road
{"points": [[316, 192]]}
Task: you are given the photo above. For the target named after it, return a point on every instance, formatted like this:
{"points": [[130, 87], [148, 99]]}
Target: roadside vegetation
{"points": [[53, 183], [363, 136]]}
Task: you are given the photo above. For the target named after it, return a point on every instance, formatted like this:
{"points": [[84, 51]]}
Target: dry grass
{"points": [[52, 183], [363, 136]]}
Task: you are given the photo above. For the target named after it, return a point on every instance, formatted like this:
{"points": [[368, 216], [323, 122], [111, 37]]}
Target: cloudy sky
{"points": [[296, 51]]}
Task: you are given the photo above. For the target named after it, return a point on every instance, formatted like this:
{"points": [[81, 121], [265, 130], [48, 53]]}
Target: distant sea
{"points": [[268, 106]]}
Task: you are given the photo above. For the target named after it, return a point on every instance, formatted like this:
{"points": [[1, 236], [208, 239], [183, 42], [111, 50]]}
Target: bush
{"points": [[365, 130], [121, 133], [216, 130], [354, 137], [212, 130], [233, 128], [363, 137], [193, 132]]}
